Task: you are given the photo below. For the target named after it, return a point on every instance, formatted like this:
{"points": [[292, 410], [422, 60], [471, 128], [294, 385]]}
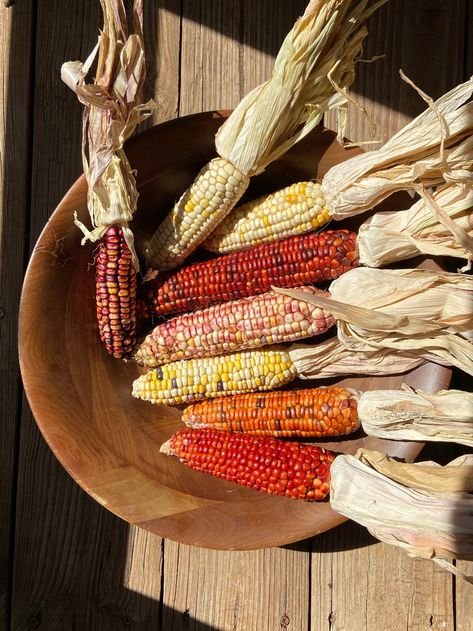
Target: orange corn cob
{"points": [[311, 413], [300, 260], [270, 318], [116, 286], [277, 467]]}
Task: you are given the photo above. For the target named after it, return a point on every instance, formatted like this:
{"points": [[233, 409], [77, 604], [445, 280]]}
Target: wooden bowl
{"points": [[81, 397]]}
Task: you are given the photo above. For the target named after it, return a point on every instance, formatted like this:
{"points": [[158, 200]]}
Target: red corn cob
{"points": [[267, 464], [311, 413], [116, 287], [299, 260]]}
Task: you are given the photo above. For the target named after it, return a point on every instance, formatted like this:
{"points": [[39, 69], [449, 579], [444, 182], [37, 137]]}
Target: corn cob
{"points": [[299, 260], [112, 109], [296, 209], [215, 191], [194, 379], [280, 468], [318, 54], [116, 293], [270, 318], [311, 413], [425, 153]]}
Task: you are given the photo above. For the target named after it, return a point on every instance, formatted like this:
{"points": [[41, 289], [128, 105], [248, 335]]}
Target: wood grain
{"points": [[15, 95], [266, 589], [209, 60], [351, 571]]}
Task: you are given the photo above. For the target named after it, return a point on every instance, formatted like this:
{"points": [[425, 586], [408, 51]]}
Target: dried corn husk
{"points": [[414, 312], [312, 72], [424, 508], [409, 414], [435, 147], [439, 224], [331, 359], [112, 111]]}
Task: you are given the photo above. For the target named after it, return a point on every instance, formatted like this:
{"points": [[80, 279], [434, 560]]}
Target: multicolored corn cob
{"points": [[195, 379], [116, 287], [311, 413], [294, 210], [267, 464], [216, 189], [301, 260], [270, 318]]}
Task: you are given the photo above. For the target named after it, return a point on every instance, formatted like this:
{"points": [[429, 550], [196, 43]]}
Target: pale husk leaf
{"points": [[438, 224], [424, 508], [435, 147], [412, 311], [312, 72], [331, 359], [409, 414], [112, 110]]}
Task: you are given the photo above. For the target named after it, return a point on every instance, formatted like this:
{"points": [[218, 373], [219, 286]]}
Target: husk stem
{"points": [[410, 414], [330, 358], [414, 312], [112, 110], [436, 147], [424, 508], [440, 223], [312, 72]]}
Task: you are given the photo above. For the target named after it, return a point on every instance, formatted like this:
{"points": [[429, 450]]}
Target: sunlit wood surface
{"points": [[66, 563]]}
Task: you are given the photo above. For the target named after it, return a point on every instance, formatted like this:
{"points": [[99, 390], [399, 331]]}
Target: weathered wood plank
{"points": [[265, 25], [363, 585], [426, 40], [464, 598], [210, 77], [71, 570], [162, 31], [15, 95], [264, 589]]}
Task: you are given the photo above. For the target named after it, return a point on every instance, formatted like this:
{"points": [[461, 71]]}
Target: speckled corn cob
{"points": [[116, 284], [296, 209], [267, 464], [311, 413], [270, 318], [215, 191], [195, 379], [301, 260]]}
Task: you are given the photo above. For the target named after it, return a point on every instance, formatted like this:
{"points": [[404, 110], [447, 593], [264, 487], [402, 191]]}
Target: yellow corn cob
{"points": [[294, 210], [195, 379], [216, 189]]}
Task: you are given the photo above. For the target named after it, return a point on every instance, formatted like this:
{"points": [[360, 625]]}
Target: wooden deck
{"points": [[66, 563]]}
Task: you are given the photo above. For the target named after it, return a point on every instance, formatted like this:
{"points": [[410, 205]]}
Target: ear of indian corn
{"points": [[296, 209], [311, 413], [213, 194], [434, 148], [113, 107], [194, 379], [300, 260], [270, 318], [116, 283], [277, 467], [312, 72]]}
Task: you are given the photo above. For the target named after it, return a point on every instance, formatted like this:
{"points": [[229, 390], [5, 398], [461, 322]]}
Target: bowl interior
{"points": [[81, 397]]}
